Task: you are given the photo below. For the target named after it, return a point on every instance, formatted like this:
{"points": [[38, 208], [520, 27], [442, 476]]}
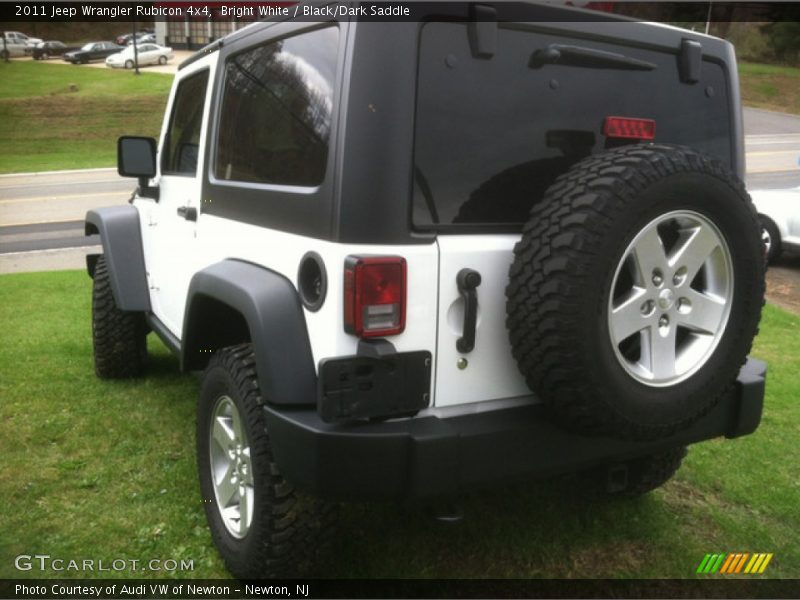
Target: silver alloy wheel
{"points": [[767, 239], [231, 468], [670, 298]]}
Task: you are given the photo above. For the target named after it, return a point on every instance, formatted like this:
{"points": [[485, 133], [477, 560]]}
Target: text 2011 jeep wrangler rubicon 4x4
{"points": [[415, 257]]}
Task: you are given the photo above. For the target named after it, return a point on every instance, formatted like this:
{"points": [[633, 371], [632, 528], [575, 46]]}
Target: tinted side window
{"points": [[183, 136], [276, 111]]}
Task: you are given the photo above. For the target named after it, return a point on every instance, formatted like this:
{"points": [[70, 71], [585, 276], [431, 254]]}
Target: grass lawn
{"points": [[106, 470], [67, 117], [770, 87], [55, 116]]}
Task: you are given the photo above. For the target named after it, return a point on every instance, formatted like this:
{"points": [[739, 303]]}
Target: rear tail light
{"points": [[627, 128], [374, 295]]}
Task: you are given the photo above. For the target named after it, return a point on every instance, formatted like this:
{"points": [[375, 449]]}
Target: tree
{"points": [[783, 34]]}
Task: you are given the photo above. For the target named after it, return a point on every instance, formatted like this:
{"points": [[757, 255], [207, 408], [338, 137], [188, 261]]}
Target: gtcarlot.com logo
{"points": [[45, 562], [735, 563]]}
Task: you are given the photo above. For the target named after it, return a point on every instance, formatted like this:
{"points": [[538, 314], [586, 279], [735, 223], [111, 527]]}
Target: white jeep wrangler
{"points": [[416, 257]]}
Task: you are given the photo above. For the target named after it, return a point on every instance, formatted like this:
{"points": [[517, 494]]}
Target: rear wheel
{"points": [[119, 337], [636, 291], [262, 525], [45, 56]]}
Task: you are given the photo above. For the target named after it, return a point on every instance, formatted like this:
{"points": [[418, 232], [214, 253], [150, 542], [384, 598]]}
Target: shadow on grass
{"points": [[163, 365], [537, 529]]}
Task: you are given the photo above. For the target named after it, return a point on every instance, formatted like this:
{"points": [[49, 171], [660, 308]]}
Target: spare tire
{"points": [[636, 291]]}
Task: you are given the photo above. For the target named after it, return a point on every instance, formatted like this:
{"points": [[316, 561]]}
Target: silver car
{"points": [[148, 54]]}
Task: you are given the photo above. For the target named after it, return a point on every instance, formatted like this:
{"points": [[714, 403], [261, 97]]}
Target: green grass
{"points": [[771, 87], [56, 116], [61, 116], [106, 470]]}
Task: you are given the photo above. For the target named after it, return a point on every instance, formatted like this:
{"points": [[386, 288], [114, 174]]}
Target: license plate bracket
{"points": [[360, 387]]}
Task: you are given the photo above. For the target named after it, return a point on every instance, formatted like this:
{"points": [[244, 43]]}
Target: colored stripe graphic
{"points": [[765, 563], [731, 559], [752, 562], [741, 562], [716, 565], [733, 563], [703, 563]]}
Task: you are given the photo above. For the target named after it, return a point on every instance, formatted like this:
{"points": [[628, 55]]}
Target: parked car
{"points": [[92, 51], [51, 49], [779, 213], [141, 36], [148, 54], [12, 47], [123, 39], [144, 38], [18, 38]]}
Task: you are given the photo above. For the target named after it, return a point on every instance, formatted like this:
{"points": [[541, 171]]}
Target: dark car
{"points": [[127, 38], [92, 51], [51, 49]]}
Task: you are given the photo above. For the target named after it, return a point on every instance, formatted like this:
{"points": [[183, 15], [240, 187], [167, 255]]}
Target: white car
{"points": [[22, 38], [148, 54], [11, 48], [779, 213]]}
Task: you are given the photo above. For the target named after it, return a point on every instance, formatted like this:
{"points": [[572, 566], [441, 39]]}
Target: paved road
{"points": [[41, 215], [772, 144]]}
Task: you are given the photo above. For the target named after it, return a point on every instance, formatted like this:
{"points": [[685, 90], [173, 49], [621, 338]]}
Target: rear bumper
{"points": [[429, 456]]}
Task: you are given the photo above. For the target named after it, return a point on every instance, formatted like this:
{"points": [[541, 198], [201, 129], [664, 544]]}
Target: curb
{"points": [[62, 172]]}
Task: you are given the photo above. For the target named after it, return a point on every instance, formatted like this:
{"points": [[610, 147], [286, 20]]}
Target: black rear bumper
{"points": [[430, 455]]}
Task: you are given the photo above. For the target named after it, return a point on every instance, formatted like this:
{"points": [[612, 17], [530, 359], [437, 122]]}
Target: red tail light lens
{"points": [[626, 128], [374, 295]]}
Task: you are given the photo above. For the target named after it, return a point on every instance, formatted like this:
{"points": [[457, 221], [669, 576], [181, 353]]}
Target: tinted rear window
{"points": [[493, 134]]}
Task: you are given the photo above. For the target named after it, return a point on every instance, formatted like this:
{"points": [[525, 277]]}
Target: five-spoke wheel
{"points": [[231, 469], [671, 298]]}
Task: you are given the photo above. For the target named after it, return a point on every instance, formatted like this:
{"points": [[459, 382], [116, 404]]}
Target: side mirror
{"points": [[136, 157]]}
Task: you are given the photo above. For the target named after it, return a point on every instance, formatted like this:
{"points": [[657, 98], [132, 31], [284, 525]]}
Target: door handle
{"points": [[188, 212], [468, 281]]}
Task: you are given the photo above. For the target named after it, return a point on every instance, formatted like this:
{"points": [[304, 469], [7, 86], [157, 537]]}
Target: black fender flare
{"points": [[271, 309], [121, 236]]}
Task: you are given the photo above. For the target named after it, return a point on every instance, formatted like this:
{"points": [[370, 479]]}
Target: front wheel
{"points": [[261, 524], [45, 56], [162, 60], [636, 291], [119, 337], [128, 64]]}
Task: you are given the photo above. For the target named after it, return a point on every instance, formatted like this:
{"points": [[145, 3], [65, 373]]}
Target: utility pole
{"points": [[135, 51], [5, 47], [708, 18]]}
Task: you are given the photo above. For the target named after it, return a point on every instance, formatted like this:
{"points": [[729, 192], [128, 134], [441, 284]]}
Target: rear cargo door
{"points": [[486, 371], [504, 109]]}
